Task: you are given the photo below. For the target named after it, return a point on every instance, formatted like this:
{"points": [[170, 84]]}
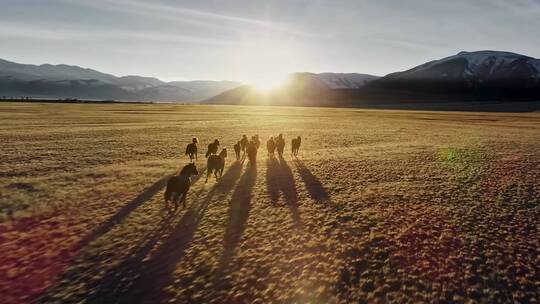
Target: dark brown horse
{"points": [[178, 186], [251, 151], [280, 144], [271, 146]]}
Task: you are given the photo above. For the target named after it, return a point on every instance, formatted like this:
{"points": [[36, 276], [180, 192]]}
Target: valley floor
{"points": [[380, 206]]}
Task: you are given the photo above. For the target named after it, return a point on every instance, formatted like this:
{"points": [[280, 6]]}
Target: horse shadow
{"points": [[127, 209], [139, 276], [239, 209], [314, 186], [280, 179]]}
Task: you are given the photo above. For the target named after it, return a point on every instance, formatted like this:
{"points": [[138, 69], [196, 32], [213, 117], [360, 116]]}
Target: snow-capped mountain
{"points": [[466, 76], [68, 81], [478, 67], [477, 75]]}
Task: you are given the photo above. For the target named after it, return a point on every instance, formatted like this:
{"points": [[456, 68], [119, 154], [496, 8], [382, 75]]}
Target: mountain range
{"points": [[302, 89], [482, 75], [466, 76], [67, 81]]}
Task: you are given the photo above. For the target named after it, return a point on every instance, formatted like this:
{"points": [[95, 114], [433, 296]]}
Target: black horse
{"points": [[237, 148], [191, 150], [295, 145], [212, 148], [178, 186], [216, 164]]}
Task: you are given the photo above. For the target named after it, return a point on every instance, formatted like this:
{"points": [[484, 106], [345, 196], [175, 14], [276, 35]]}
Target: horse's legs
{"points": [[208, 172], [167, 198], [183, 200], [176, 199]]}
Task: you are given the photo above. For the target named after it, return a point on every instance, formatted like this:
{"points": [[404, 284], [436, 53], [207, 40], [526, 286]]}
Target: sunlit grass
{"points": [[380, 205]]}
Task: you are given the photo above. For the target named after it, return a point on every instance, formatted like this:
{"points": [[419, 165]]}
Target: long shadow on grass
{"points": [[314, 186], [279, 178], [112, 278], [121, 214], [238, 213], [136, 280]]}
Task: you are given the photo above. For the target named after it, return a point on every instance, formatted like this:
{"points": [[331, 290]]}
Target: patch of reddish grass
{"points": [[35, 252]]}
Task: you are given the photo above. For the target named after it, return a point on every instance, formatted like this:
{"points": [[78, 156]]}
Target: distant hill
{"points": [[303, 89], [66, 81], [482, 75], [467, 76], [464, 77], [335, 80]]}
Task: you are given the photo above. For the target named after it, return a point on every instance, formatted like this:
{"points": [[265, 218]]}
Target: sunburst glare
{"points": [[266, 64]]}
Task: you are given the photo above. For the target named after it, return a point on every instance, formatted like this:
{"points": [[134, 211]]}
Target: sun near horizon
{"points": [[268, 84], [266, 63]]}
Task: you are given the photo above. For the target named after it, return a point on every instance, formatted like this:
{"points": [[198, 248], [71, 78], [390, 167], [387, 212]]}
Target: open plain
{"points": [[380, 206]]}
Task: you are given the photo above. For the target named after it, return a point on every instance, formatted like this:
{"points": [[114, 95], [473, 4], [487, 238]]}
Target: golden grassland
{"points": [[380, 206]]}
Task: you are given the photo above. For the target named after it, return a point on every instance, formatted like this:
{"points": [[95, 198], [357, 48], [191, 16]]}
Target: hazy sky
{"points": [[242, 40]]}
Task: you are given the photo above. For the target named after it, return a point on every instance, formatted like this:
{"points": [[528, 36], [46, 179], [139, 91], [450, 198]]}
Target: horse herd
{"points": [[178, 185]]}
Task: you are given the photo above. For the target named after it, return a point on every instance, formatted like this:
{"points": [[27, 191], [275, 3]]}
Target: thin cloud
{"points": [[521, 7], [179, 14], [10, 30]]}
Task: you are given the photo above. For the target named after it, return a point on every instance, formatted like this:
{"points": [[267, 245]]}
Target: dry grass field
{"points": [[379, 207]]}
